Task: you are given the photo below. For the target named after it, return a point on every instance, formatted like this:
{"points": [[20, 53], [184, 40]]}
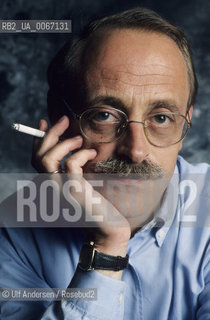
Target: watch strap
{"points": [[107, 262], [91, 259]]}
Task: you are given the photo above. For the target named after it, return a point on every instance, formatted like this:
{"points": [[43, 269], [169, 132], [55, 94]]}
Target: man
{"points": [[131, 80]]}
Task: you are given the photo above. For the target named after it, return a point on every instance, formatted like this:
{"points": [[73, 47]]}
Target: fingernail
{"points": [[61, 119], [78, 137], [93, 150]]}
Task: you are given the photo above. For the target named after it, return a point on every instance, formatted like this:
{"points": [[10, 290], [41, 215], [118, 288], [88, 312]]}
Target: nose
{"points": [[134, 145]]}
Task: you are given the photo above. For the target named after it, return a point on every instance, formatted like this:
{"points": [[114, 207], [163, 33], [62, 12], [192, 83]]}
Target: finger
{"points": [[42, 126], [53, 135], [51, 160], [75, 163]]}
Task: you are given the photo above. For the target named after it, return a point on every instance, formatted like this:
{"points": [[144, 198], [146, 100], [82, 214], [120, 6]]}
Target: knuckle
{"points": [[48, 163], [71, 163], [45, 160], [50, 131], [53, 132]]}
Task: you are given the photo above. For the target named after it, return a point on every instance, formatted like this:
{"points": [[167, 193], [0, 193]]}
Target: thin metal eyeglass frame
{"points": [[79, 116]]}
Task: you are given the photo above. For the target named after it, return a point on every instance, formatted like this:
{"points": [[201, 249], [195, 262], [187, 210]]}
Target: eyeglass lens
{"points": [[104, 125]]}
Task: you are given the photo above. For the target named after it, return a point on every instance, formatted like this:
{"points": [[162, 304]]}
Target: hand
{"points": [[47, 154]]}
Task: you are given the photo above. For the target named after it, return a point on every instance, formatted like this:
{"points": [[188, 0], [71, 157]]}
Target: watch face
{"points": [[86, 257]]}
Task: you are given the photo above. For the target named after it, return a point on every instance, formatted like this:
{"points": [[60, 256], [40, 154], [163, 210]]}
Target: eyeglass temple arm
{"points": [[76, 116]]}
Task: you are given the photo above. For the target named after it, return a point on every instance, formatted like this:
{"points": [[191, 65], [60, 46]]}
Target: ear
{"points": [[190, 113], [189, 117]]}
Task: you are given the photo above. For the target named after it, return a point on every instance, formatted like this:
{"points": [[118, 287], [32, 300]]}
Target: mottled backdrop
{"points": [[24, 59]]}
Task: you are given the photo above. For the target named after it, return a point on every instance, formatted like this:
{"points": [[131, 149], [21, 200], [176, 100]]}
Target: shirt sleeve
{"points": [[109, 302], [204, 297], [17, 271]]}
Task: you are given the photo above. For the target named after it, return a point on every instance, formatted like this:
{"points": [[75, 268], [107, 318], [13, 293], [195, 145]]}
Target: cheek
{"points": [[104, 152], [167, 157]]}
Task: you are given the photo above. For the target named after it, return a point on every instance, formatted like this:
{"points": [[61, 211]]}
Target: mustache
{"points": [[144, 170]]}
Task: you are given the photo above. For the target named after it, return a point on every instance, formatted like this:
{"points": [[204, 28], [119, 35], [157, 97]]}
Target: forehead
{"points": [[133, 65]]}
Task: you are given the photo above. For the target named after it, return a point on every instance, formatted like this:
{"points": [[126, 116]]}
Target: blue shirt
{"points": [[168, 276]]}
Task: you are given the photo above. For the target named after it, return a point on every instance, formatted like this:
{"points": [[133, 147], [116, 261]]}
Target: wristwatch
{"points": [[91, 259]]}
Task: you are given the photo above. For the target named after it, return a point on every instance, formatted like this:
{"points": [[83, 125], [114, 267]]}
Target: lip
{"points": [[131, 182], [124, 178]]}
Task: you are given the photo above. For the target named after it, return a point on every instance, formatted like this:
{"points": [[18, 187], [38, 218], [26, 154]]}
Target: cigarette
{"points": [[28, 130]]}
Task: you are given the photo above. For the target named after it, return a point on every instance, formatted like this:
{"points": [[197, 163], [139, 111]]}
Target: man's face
{"points": [[144, 72]]}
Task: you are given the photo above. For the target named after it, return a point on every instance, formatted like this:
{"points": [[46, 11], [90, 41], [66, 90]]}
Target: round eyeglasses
{"points": [[107, 124]]}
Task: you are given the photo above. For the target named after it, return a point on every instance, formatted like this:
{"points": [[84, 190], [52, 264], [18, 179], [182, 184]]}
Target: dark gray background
{"points": [[24, 59]]}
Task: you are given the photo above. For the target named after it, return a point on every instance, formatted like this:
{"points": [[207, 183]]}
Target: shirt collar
{"points": [[165, 214], [167, 211]]}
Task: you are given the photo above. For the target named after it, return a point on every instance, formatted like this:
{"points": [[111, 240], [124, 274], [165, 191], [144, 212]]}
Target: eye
{"points": [[161, 119], [104, 116]]}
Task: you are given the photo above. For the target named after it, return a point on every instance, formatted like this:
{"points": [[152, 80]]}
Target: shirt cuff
{"points": [[109, 303]]}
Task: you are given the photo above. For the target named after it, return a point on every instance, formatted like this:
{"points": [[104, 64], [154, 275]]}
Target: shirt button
{"points": [[161, 234], [121, 297]]}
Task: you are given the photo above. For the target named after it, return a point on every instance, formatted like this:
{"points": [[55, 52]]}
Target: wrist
{"points": [[113, 247], [91, 258]]}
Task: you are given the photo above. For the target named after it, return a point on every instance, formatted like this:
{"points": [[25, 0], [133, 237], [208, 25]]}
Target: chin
{"points": [[134, 199]]}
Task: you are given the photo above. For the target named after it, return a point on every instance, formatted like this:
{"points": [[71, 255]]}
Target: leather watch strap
{"points": [[107, 262], [91, 259]]}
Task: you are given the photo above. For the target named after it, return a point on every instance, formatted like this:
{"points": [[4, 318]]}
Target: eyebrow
{"points": [[118, 103], [167, 104], [108, 100]]}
